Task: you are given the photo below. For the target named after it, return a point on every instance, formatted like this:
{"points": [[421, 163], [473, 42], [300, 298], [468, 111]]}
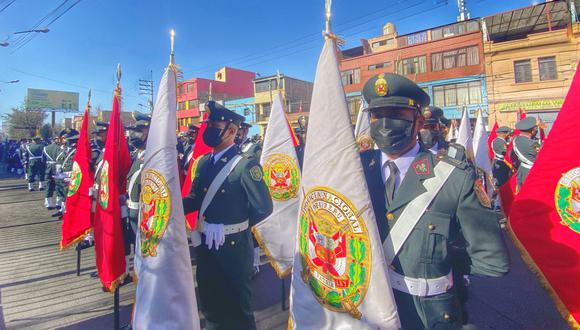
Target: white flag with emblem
{"points": [[362, 128], [165, 296], [464, 136], [480, 148], [277, 233], [339, 278]]}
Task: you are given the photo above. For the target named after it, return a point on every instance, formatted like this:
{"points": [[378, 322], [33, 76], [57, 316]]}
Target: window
{"points": [[547, 66], [380, 65], [412, 65], [190, 87], [388, 42], [457, 94], [350, 77], [456, 58], [192, 104], [180, 105], [266, 86], [180, 90], [523, 71]]}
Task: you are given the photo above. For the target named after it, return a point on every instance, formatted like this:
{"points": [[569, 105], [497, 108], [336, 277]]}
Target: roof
{"points": [[519, 23]]}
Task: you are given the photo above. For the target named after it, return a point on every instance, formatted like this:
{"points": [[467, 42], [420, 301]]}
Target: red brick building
{"points": [[446, 61]]}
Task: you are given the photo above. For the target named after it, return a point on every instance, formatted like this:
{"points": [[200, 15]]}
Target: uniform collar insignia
{"points": [[422, 167], [372, 163], [224, 159]]}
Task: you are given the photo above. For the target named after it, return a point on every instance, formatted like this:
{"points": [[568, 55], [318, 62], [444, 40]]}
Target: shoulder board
{"points": [[452, 161]]}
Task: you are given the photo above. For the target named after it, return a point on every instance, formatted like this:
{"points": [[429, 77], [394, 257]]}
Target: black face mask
{"points": [[213, 136], [135, 142], [392, 135], [429, 138], [238, 140]]}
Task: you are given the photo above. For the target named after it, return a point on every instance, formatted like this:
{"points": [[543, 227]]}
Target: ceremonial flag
{"points": [[464, 136], [492, 136], [544, 217], [277, 233], [480, 147], [339, 278], [362, 129], [199, 149], [165, 295], [109, 241], [452, 134], [77, 220]]}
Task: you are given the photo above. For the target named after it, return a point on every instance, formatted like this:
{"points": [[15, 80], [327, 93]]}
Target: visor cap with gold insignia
{"points": [[245, 125], [141, 120], [389, 90], [504, 129], [434, 115], [218, 112]]}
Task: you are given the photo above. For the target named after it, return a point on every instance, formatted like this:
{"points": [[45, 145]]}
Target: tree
{"points": [[23, 124]]}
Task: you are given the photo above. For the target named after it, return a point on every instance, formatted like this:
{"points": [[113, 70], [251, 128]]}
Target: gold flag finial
{"points": [[119, 75], [171, 55]]}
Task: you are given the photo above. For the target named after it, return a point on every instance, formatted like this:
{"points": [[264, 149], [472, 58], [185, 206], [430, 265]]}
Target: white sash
{"points": [[132, 184], [525, 162], [414, 210], [211, 191]]}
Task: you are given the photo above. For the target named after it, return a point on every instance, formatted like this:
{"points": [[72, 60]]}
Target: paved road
{"points": [[39, 288]]}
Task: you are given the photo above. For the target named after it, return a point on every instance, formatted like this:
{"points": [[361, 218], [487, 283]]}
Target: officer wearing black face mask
{"points": [[431, 132], [189, 145], [501, 169], [525, 148], [98, 142], [246, 145], [431, 217], [64, 168], [230, 194]]}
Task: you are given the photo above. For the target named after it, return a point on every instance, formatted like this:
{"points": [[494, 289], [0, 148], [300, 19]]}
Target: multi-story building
{"points": [[531, 55], [247, 108], [296, 95], [192, 94], [446, 61]]}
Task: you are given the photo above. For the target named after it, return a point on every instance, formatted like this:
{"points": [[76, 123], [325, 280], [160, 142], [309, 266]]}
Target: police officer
{"points": [[300, 132], [246, 145], [425, 239], [36, 163], [229, 191], [98, 142], [432, 132], [189, 145], [138, 139], [501, 170], [525, 148], [64, 168], [51, 153], [22, 154]]}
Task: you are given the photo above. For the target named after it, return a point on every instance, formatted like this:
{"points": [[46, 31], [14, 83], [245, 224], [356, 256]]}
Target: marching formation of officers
{"points": [[457, 235]]}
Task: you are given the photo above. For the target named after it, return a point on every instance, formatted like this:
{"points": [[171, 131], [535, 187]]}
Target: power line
{"points": [[8, 5], [49, 24], [21, 38]]}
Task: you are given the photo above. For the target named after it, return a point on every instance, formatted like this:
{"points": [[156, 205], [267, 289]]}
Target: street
{"points": [[39, 288]]}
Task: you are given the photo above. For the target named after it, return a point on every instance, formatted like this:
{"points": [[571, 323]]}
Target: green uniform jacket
{"points": [[252, 149], [500, 170], [224, 275], [51, 153], [34, 153], [529, 149], [456, 232], [134, 185]]}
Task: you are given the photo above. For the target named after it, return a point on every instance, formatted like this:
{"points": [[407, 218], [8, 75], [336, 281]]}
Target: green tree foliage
{"points": [[23, 124]]}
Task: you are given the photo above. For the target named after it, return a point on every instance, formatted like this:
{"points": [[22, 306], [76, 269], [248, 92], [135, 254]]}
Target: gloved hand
{"points": [[214, 235]]}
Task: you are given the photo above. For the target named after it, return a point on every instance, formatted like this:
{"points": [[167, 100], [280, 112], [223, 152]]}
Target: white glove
{"points": [[214, 235]]}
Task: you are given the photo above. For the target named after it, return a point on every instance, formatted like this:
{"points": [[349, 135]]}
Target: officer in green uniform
{"points": [[98, 142], [138, 139], [246, 145], [525, 148], [240, 200], [51, 153], [36, 163], [63, 171], [188, 145], [23, 157], [450, 231], [501, 170], [432, 134]]}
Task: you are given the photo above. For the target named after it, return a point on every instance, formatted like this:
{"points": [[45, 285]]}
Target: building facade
{"points": [[192, 94], [296, 95], [531, 55], [446, 61]]}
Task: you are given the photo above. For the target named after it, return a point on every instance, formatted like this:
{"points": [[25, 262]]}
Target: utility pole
{"points": [[463, 13], [146, 88]]}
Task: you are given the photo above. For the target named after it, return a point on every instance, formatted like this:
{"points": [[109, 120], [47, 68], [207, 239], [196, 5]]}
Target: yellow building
{"points": [[296, 95], [530, 59]]}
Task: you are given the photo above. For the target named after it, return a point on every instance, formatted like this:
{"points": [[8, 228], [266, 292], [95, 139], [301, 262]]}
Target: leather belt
{"points": [[421, 287], [233, 229], [133, 205]]}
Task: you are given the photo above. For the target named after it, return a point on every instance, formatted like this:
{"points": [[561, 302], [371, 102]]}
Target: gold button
{"points": [[390, 216], [205, 189], [431, 226], [233, 243], [446, 317], [223, 191]]}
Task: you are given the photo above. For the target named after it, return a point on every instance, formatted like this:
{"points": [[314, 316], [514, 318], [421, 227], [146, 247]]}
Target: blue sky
{"points": [[84, 46]]}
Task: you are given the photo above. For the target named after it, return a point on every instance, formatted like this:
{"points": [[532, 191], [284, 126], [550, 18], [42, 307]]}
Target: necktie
{"points": [[391, 182]]}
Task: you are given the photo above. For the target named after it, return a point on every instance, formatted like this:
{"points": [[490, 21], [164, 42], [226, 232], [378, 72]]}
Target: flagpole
{"points": [[327, 7], [172, 54]]}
